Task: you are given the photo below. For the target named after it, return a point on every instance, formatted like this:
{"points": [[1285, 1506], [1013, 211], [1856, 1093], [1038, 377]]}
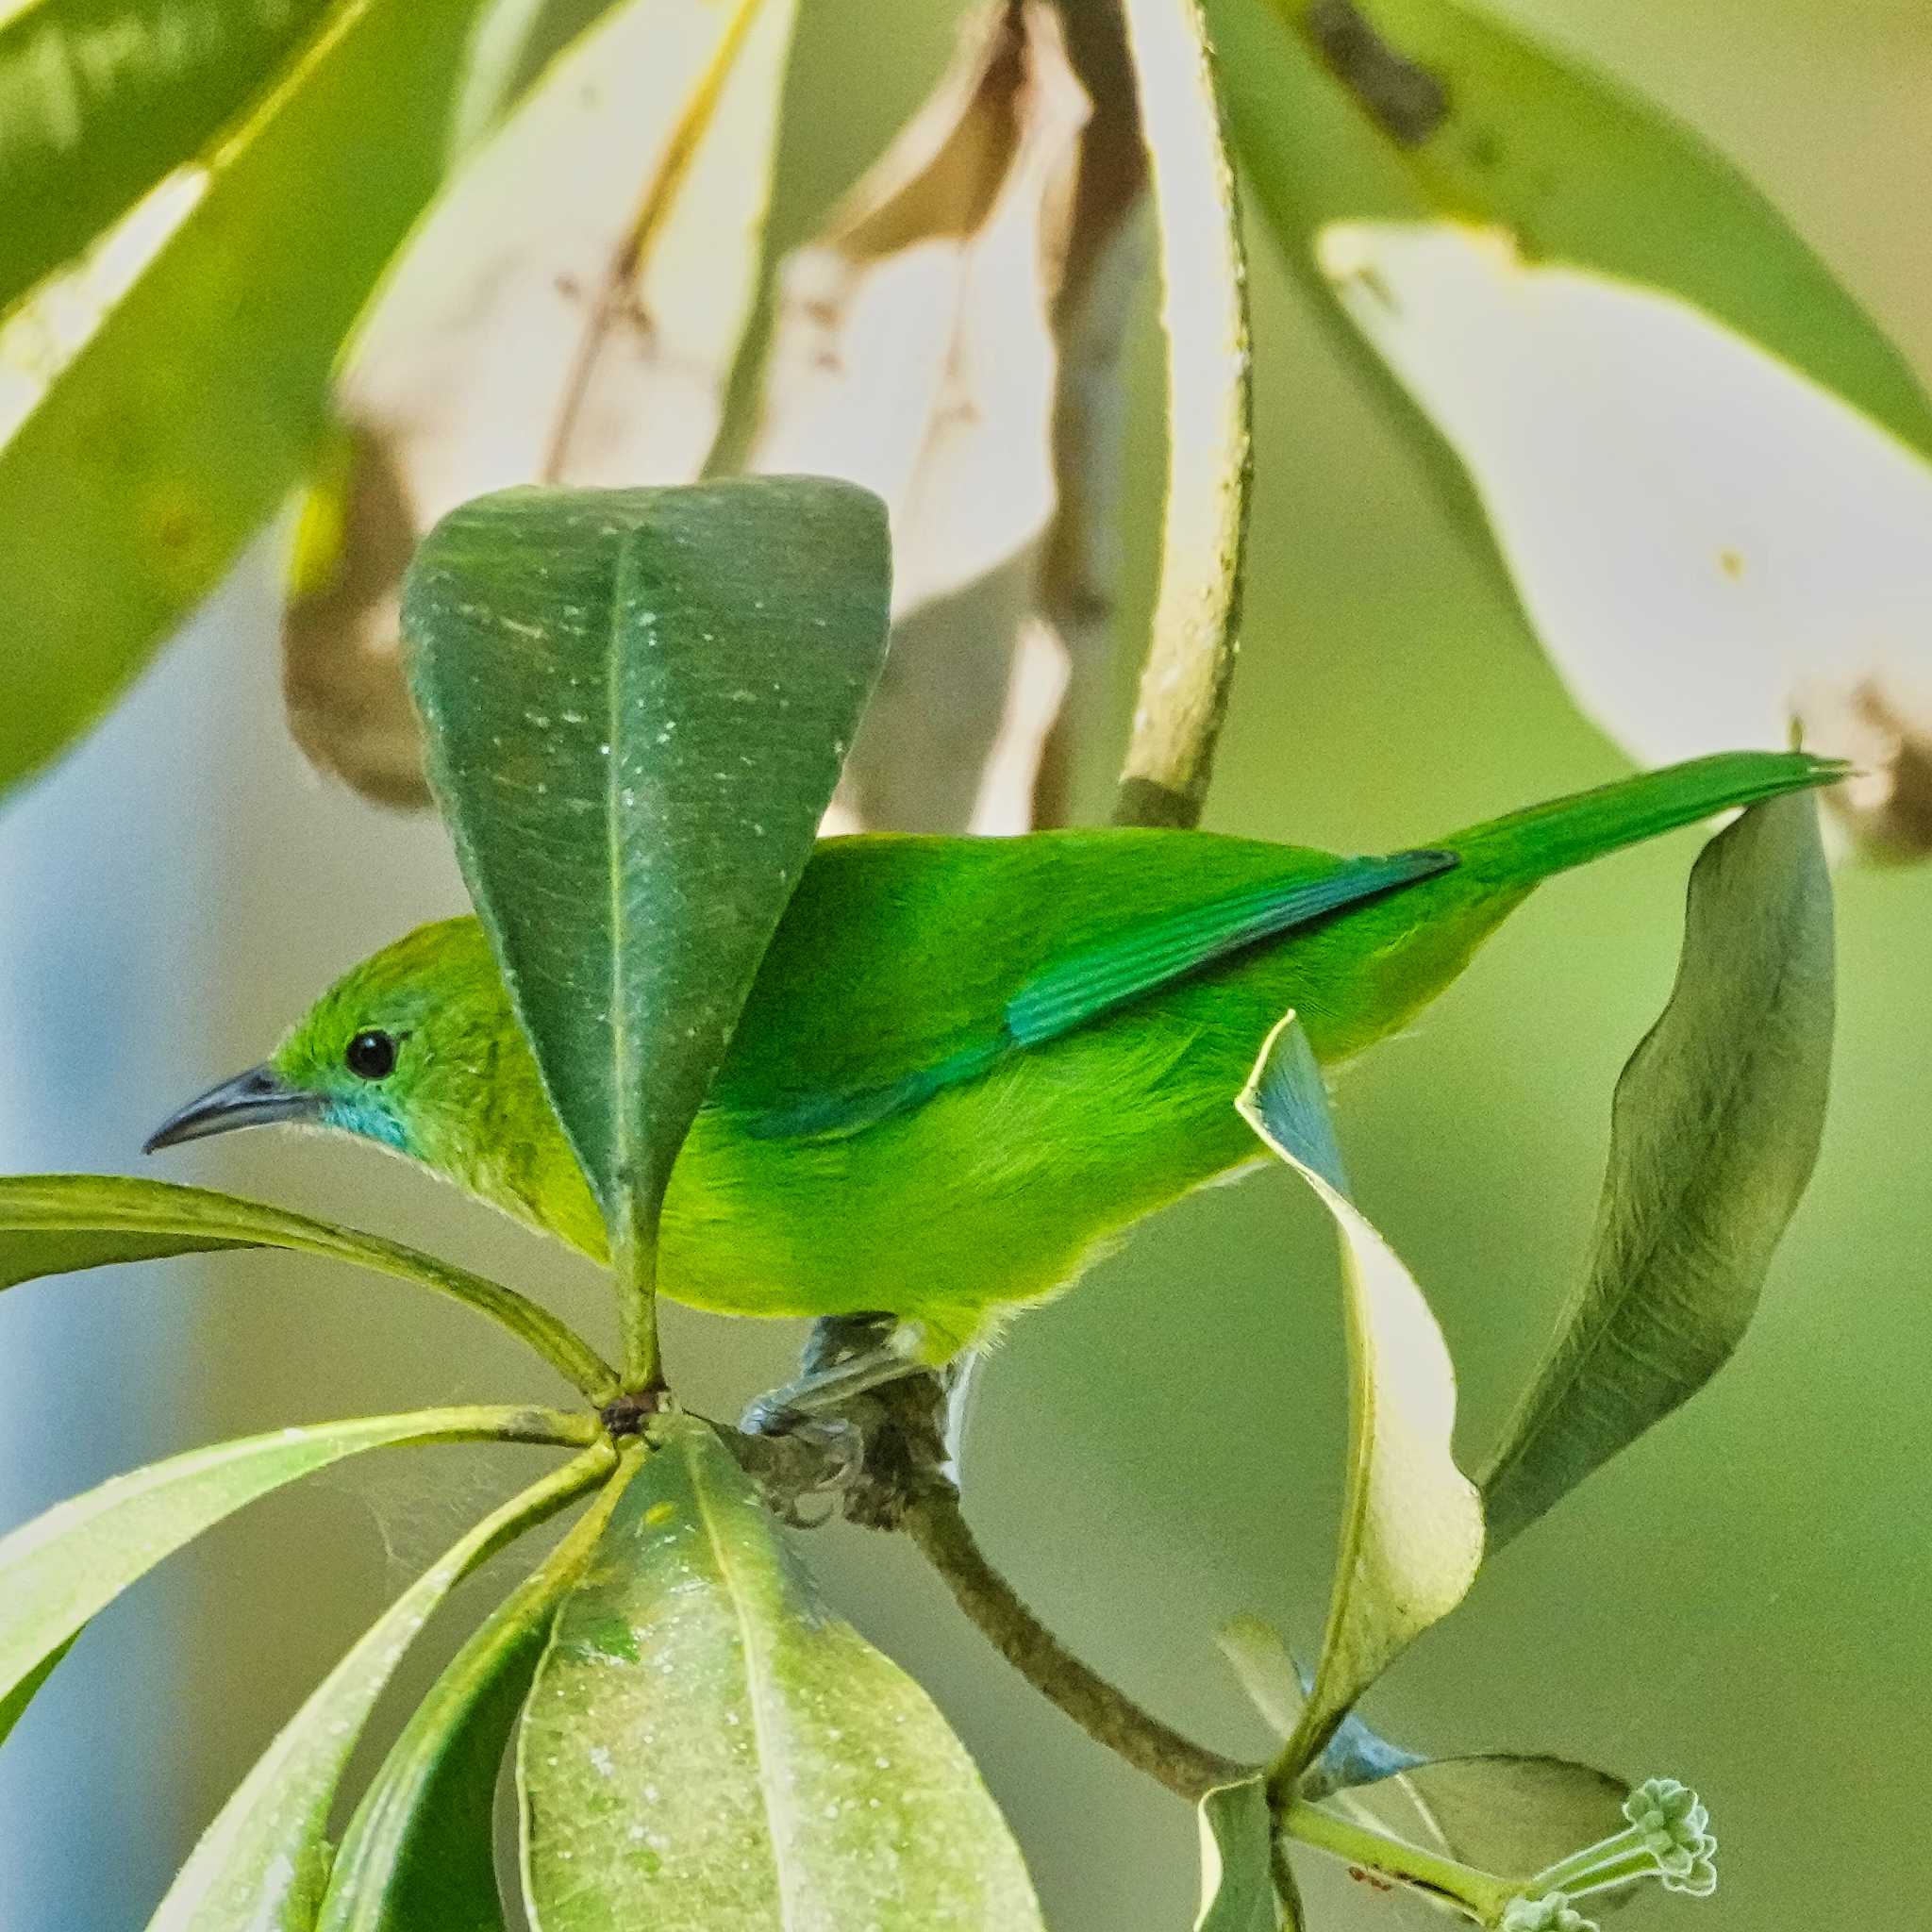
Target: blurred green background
{"points": [[1741, 1601]]}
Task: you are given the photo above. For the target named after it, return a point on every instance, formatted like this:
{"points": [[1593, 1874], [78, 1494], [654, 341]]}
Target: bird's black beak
{"points": [[252, 1099]]}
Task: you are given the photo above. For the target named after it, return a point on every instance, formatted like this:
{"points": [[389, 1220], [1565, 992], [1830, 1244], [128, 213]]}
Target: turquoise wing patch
{"points": [[1099, 979], [1089, 984]]}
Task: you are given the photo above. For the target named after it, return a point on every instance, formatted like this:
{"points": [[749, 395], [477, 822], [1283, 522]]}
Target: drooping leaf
{"points": [[1413, 1526], [54, 1223], [1238, 1881], [589, 273], [1714, 1133], [146, 431], [1510, 1816], [950, 340], [1347, 110], [1782, 577], [637, 703], [1544, 264], [708, 1747], [57, 1571], [1204, 317], [420, 1849], [262, 1866], [98, 100], [1278, 1686]]}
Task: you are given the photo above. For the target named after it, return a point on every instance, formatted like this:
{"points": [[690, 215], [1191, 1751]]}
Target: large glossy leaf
{"points": [[147, 434], [591, 272], [100, 98], [947, 339], [637, 703], [1204, 317], [53, 1223], [1561, 281], [1237, 1887], [708, 1747], [420, 1849], [1714, 1133], [57, 1571], [1413, 1526], [262, 1865]]}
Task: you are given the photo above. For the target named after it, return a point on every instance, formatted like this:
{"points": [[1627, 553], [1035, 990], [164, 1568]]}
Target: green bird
{"points": [[967, 1065]]}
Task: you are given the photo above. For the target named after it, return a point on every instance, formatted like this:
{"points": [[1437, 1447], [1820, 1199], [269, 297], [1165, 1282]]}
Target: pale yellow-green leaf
{"points": [[153, 425], [708, 1749], [1412, 1528], [1733, 551], [569, 311], [261, 1865], [57, 1571], [1707, 473]]}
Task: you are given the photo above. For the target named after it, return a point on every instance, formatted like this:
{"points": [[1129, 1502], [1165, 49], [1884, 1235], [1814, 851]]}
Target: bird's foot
{"points": [[806, 1464]]}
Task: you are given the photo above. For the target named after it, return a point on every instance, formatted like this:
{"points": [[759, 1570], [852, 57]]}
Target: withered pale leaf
{"points": [[949, 342], [569, 311]]}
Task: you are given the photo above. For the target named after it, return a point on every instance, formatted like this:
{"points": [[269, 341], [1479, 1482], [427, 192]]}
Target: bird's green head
{"points": [[401, 1050]]}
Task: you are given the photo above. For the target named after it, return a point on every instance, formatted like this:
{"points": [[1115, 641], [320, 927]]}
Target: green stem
{"points": [[1479, 1893], [635, 1256]]}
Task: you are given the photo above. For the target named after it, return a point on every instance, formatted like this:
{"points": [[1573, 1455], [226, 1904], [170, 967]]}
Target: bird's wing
{"points": [[1009, 959]]}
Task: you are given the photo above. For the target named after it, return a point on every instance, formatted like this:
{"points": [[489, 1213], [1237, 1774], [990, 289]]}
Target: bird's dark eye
{"points": [[370, 1056]]}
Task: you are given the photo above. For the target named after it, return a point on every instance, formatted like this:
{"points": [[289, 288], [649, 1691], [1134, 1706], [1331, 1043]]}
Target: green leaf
{"points": [[636, 704], [1413, 1526], [1533, 263], [100, 98], [57, 1571], [708, 1747], [1510, 1816], [605, 337], [262, 1865], [1352, 109], [1714, 1133], [13, 1705], [134, 467], [1237, 1887], [54, 1223], [420, 1849], [1205, 319]]}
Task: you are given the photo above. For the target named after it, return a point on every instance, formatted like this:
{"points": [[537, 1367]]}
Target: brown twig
{"points": [[935, 1522]]}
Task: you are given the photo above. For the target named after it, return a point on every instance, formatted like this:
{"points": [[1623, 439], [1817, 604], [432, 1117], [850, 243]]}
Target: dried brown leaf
{"points": [[569, 311], [950, 341]]}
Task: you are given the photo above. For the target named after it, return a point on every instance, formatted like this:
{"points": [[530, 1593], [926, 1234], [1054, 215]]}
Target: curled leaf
{"points": [[1413, 1526], [1205, 319], [1238, 1878]]}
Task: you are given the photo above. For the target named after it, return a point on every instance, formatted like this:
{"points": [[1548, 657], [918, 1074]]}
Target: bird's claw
{"points": [[829, 1454]]}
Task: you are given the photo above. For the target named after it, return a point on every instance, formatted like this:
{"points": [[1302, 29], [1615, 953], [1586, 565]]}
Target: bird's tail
{"points": [[1545, 839]]}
